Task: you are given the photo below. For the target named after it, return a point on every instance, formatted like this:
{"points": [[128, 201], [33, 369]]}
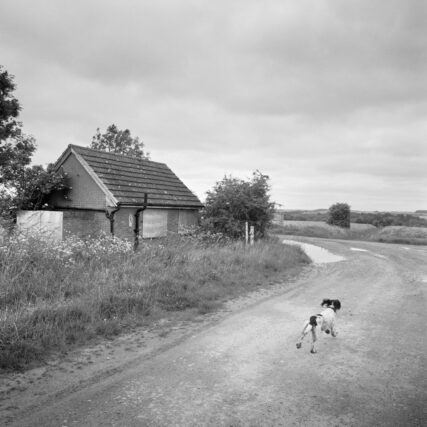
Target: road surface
{"points": [[245, 370]]}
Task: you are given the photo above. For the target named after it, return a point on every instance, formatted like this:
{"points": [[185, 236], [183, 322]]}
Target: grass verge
{"points": [[53, 297]]}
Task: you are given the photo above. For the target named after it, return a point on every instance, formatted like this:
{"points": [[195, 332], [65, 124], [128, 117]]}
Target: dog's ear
{"points": [[326, 302], [337, 304]]}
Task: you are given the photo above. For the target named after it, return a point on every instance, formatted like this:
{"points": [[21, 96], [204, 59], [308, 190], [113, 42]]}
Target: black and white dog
{"points": [[325, 321]]}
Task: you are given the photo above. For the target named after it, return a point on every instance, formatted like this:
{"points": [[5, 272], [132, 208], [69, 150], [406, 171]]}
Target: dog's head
{"points": [[331, 303]]}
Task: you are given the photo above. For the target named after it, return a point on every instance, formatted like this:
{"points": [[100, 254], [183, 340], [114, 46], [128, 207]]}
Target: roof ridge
{"points": [[114, 154]]}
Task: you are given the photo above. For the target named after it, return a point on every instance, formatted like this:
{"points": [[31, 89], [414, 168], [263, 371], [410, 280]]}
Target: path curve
{"points": [[246, 371]]}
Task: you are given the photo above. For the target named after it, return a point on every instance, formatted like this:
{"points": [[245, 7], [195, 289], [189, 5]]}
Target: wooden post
{"points": [[246, 232], [252, 235]]}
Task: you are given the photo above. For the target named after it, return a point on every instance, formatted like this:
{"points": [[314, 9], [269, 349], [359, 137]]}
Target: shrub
{"points": [[233, 202], [339, 214]]}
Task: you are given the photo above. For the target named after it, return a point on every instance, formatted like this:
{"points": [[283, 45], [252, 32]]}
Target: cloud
{"points": [[326, 58], [328, 98], [312, 58]]}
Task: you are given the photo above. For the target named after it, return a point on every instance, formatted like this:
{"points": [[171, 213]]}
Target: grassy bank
{"points": [[53, 296], [391, 234]]}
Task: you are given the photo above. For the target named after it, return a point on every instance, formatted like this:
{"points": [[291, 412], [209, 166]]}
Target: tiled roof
{"points": [[128, 178]]}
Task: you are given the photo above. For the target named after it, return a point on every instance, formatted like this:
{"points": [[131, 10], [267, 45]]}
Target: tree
{"points": [[35, 184], [233, 201], [16, 148], [21, 186], [339, 214], [9, 106], [119, 141], [29, 190]]}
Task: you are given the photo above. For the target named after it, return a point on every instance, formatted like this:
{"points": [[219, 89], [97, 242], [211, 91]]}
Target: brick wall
{"points": [[84, 194], [153, 222]]}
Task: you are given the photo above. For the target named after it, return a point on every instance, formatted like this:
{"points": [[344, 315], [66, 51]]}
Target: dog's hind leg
{"points": [[314, 337], [307, 328]]}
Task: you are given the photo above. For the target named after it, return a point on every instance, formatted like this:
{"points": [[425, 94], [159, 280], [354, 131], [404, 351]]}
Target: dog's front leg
{"points": [[314, 337]]}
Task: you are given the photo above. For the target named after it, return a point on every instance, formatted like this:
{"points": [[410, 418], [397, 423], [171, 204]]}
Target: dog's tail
{"points": [[313, 321]]}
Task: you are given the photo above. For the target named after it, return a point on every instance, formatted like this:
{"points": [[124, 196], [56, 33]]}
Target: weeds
{"points": [[56, 295]]}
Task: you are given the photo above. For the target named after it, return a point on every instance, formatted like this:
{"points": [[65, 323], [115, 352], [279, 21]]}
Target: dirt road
{"points": [[244, 370]]}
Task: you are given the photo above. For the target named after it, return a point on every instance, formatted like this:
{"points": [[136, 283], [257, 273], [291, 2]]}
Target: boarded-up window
{"points": [[155, 223], [46, 223]]}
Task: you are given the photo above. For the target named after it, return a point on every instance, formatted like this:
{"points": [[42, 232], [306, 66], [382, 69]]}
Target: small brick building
{"points": [[122, 195]]}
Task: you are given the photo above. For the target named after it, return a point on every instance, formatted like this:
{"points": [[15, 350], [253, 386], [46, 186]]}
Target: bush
{"points": [[339, 214], [233, 202]]}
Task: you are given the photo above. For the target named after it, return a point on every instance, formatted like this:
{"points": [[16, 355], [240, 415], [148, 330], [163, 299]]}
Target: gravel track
{"points": [[242, 368]]}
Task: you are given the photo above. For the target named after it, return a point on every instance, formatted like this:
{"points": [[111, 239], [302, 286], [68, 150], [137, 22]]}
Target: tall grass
{"points": [[55, 295]]}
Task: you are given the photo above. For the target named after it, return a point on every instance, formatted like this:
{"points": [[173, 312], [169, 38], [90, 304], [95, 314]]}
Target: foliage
{"points": [[339, 214], [202, 235], [29, 189], [68, 252], [16, 148], [385, 219], [233, 201], [32, 185], [21, 186], [119, 141], [9, 106]]}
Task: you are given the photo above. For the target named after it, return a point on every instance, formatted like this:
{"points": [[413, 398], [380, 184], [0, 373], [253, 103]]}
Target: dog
{"points": [[325, 321]]}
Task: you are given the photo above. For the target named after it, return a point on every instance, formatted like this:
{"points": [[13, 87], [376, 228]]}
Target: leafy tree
{"points": [[119, 141], [339, 214], [9, 106], [30, 189], [21, 186], [233, 201], [16, 148], [35, 184]]}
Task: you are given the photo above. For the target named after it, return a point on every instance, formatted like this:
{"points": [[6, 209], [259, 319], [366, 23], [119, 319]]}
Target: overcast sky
{"points": [[328, 98]]}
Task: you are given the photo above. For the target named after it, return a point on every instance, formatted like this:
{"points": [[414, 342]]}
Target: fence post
{"points": [[246, 232], [252, 235]]}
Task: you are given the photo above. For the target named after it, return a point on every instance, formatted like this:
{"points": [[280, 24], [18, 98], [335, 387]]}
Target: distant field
{"points": [[322, 224], [396, 234], [377, 219], [391, 234]]}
